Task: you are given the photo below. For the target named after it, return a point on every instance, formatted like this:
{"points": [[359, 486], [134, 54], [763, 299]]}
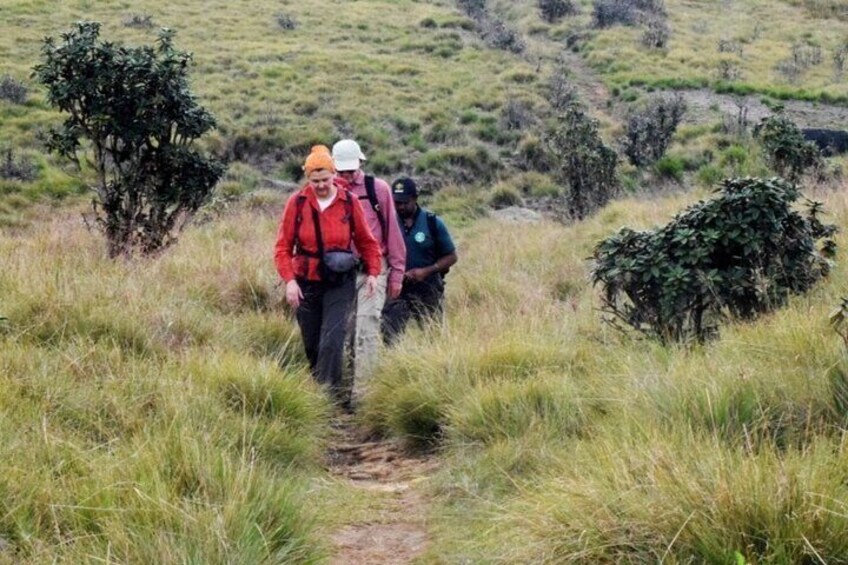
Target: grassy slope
{"points": [[567, 441], [763, 30], [144, 413], [558, 434], [418, 98]]}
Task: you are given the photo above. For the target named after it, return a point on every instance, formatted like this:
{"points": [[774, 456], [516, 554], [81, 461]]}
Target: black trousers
{"points": [[417, 301], [322, 317]]}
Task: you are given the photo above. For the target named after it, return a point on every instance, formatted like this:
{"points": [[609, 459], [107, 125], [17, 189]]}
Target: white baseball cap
{"points": [[347, 155]]}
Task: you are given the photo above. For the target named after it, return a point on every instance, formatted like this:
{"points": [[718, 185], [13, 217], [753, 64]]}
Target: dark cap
{"points": [[404, 189]]}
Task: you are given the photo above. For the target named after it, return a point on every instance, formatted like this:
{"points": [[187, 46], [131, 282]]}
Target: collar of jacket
{"points": [[342, 192]]}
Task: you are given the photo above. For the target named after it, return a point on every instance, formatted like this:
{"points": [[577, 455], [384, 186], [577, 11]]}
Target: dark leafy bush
{"points": [[730, 46], [607, 13], [16, 168], [285, 21], [12, 90], [581, 162], [553, 11], [133, 118], [139, 21], [474, 8], [649, 131], [728, 70], [787, 151], [562, 93], [840, 54], [804, 56], [517, 115], [656, 34], [735, 256], [493, 30], [501, 36]]}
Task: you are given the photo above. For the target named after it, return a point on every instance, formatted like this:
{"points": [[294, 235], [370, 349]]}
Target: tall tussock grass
{"points": [[567, 441], [153, 410], [638, 497]]}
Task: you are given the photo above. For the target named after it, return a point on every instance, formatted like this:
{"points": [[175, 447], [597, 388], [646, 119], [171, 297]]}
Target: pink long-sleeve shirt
{"points": [[394, 250]]}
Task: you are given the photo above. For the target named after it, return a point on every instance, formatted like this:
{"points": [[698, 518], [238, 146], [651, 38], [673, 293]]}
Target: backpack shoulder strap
{"points": [[298, 219], [375, 204], [433, 229], [349, 211], [319, 239]]}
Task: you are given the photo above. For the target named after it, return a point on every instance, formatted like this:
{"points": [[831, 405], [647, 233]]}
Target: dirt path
{"points": [[588, 84], [703, 105], [398, 532]]}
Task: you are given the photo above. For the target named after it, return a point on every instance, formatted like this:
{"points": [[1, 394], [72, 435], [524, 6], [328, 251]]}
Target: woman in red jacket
{"points": [[318, 266]]}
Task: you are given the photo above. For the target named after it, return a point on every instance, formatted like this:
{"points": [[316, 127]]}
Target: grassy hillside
{"points": [[145, 416], [419, 98], [567, 441], [736, 46], [416, 82], [159, 410]]}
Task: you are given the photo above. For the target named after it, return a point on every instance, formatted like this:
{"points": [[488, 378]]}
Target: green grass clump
{"points": [[660, 500], [670, 167], [154, 410], [509, 409]]}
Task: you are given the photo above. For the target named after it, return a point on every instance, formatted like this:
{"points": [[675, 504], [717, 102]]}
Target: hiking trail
{"points": [[397, 531]]}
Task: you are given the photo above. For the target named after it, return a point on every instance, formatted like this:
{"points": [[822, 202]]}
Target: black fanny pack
{"points": [[337, 266]]}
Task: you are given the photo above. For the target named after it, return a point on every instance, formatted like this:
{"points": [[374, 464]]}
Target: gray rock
{"points": [[517, 215]]}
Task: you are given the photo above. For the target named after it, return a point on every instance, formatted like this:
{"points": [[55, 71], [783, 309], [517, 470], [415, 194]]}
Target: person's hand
{"points": [[394, 290], [293, 293], [416, 275], [370, 286]]}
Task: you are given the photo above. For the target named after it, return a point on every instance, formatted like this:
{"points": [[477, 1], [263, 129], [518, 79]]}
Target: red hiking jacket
{"points": [[335, 231]]}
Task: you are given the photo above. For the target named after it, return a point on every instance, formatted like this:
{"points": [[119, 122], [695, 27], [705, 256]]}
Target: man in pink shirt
{"points": [[376, 198]]}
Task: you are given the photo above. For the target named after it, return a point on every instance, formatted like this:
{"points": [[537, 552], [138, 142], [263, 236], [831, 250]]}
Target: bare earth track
{"points": [[703, 105], [398, 532]]}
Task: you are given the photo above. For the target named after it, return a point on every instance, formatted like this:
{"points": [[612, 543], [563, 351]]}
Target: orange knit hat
{"points": [[319, 158]]}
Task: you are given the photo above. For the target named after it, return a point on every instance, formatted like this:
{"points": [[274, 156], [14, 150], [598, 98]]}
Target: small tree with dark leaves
{"points": [[553, 11], [133, 120], [735, 256], [786, 150], [581, 162], [649, 131]]}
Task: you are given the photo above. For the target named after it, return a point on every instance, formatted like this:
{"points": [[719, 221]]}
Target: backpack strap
{"points": [[434, 233], [298, 221], [316, 222], [348, 203], [375, 204], [433, 229]]}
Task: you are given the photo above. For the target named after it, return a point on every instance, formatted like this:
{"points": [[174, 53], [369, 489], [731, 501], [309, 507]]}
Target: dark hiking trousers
{"points": [[322, 317], [417, 301]]}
